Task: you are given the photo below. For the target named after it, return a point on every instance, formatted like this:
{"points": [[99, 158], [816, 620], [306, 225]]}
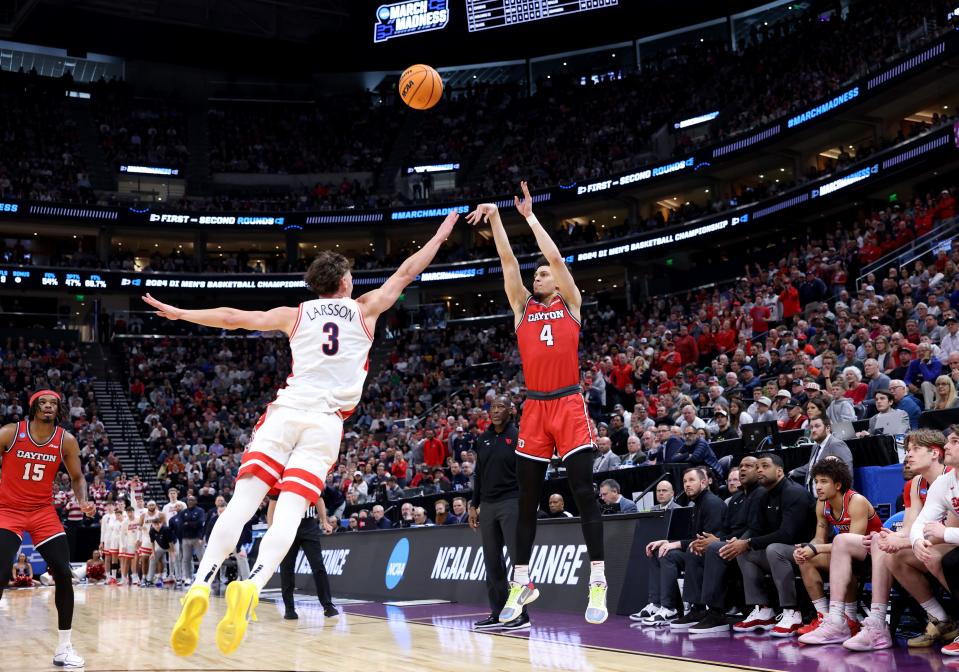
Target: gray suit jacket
{"points": [[832, 447]]}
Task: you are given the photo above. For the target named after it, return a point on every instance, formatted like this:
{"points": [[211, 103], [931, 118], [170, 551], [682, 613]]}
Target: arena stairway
{"points": [[198, 177], [118, 419], [395, 162]]}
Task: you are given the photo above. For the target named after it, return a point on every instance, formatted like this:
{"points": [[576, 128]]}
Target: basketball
{"points": [[421, 87]]}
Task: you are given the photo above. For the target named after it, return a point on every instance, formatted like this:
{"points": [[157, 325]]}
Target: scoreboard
{"points": [[486, 14]]}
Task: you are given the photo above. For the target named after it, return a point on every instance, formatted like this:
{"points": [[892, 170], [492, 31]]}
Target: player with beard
{"points": [[555, 419], [32, 452]]}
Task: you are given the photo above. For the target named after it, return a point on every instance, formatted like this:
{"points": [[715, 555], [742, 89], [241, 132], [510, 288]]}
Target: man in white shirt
{"points": [[933, 535], [689, 418], [950, 339]]}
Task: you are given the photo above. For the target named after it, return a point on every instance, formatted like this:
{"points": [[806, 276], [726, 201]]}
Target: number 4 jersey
{"points": [[330, 344], [29, 469], [548, 339]]}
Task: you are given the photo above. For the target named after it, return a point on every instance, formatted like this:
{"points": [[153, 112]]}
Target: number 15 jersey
{"points": [[548, 340], [330, 345], [29, 469]]}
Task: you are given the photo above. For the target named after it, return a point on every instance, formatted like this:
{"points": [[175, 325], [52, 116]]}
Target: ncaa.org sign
{"points": [[408, 18], [396, 565]]}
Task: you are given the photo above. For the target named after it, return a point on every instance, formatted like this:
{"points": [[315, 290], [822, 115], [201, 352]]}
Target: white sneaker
{"points": [[663, 616], [67, 658], [788, 624], [645, 612]]}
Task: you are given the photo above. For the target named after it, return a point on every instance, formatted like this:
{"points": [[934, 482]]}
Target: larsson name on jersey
{"points": [[331, 310], [37, 457], [539, 317]]}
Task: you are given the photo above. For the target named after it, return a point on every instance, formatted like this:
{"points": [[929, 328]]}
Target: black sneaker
{"points": [[689, 620], [290, 615], [518, 623], [330, 611], [714, 621], [489, 622]]}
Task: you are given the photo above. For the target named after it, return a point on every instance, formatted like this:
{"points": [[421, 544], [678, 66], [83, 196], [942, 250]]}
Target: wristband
{"points": [[812, 548], [532, 219]]}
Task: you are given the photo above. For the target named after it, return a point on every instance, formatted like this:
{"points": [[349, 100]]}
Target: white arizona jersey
{"points": [[106, 529], [148, 520], [330, 345], [941, 501]]}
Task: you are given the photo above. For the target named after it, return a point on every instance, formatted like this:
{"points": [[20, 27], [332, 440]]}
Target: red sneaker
{"points": [[854, 626], [816, 622], [788, 624]]}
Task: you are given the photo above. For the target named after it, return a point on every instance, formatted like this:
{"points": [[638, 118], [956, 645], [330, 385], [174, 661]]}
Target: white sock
{"points": [[64, 636], [822, 605], [851, 610], [276, 543], [836, 610], [247, 495], [521, 574], [597, 571], [934, 609], [878, 611]]}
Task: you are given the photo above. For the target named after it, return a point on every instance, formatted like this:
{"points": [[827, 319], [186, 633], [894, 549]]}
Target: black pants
{"points": [[497, 527], [56, 553], [308, 538]]}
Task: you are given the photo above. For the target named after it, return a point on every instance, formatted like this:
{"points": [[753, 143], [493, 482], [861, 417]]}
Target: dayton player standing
{"points": [[554, 417], [32, 452], [297, 440]]}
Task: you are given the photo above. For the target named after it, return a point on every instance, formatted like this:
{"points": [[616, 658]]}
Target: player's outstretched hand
{"points": [[482, 213], [446, 228], [525, 206], [88, 509], [163, 309]]}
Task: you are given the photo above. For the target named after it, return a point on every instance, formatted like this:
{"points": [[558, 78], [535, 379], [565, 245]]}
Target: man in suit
{"points": [[826, 445], [606, 459], [613, 501]]}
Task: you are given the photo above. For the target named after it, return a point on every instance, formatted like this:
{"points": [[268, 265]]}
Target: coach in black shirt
{"points": [[496, 492], [786, 516]]}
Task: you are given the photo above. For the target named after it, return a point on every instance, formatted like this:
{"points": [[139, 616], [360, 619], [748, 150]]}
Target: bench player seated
{"points": [[839, 508]]}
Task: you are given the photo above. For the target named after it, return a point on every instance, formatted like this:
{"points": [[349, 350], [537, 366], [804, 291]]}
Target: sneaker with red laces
{"points": [[788, 623], [112, 581], [873, 636], [760, 618], [815, 623], [830, 632], [854, 626], [951, 649]]}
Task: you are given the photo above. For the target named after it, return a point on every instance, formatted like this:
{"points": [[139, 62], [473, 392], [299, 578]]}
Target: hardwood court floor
{"points": [[127, 629]]}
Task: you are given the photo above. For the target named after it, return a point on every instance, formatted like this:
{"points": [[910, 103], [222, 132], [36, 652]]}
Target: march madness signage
{"points": [[409, 18], [447, 563]]}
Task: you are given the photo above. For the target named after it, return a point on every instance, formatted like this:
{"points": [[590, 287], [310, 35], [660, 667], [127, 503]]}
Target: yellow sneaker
{"points": [[241, 599], [186, 631]]}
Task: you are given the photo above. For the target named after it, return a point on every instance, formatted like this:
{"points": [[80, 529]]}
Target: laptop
{"points": [[760, 436], [843, 430]]}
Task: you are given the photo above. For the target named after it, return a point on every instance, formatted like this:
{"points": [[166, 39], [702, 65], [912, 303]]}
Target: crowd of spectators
{"points": [[341, 134], [41, 158], [139, 131]]}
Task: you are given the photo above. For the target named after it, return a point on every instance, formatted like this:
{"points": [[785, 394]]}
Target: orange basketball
{"points": [[421, 87]]}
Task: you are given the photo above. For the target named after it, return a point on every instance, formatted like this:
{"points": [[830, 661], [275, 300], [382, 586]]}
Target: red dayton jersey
{"points": [[844, 520], [548, 339], [29, 469]]}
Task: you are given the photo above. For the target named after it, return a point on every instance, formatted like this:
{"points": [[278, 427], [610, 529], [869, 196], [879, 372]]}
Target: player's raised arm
{"points": [[277, 319], [380, 300], [516, 292], [557, 263]]}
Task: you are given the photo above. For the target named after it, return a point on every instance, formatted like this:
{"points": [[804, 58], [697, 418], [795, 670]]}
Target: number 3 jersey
{"points": [[29, 469], [548, 339], [330, 345]]}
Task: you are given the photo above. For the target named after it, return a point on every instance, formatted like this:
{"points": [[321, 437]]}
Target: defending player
{"points": [[296, 441], [547, 323], [32, 452]]}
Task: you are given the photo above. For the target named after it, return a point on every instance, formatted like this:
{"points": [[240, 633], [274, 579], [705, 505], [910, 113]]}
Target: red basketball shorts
{"points": [[554, 424], [42, 524]]}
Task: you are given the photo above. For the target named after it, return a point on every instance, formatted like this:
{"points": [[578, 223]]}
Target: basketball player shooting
{"points": [[32, 452], [547, 323], [296, 441]]}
